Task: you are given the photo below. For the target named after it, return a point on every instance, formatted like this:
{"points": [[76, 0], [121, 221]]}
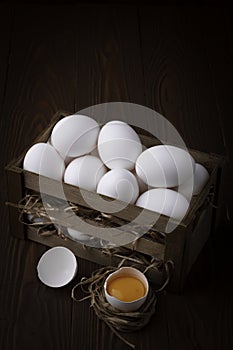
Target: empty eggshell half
{"points": [[43, 159], [75, 135], [57, 267], [77, 235]]}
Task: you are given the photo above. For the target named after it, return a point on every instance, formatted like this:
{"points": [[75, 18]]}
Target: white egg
{"points": [[77, 235], [200, 178], [164, 166], [119, 145], [75, 135], [120, 184], [164, 201], [85, 172], [43, 159]]}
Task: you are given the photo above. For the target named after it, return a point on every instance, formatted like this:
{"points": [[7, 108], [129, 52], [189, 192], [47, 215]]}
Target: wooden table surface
{"points": [[174, 59]]}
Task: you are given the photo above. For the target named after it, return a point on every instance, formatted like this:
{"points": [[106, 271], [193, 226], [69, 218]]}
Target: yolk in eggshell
{"points": [[126, 288]]}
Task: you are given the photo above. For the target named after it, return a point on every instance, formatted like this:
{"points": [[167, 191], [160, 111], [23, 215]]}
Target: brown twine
{"points": [[33, 206], [116, 320]]}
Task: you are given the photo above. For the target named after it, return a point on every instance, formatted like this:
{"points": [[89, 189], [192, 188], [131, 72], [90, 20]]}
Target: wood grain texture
{"points": [[177, 78], [218, 40], [108, 56], [5, 34], [7, 316], [176, 54], [200, 320], [41, 72], [71, 57], [5, 39]]}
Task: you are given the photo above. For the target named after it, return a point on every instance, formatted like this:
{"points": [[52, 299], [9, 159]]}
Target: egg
{"points": [[77, 235], [126, 289], [119, 145], [164, 166], [85, 172], [164, 201], [75, 135], [200, 178], [120, 184], [43, 159]]}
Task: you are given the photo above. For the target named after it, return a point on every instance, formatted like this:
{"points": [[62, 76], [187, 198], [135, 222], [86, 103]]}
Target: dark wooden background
{"points": [[177, 60]]}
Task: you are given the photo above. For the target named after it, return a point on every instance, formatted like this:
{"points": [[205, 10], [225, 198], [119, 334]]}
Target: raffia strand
{"points": [[116, 320]]}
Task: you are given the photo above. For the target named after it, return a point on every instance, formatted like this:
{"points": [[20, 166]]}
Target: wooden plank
{"points": [[178, 83], [40, 51], [6, 19], [180, 86], [108, 56], [40, 80], [5, 31], [219, 54], [6, 271]]}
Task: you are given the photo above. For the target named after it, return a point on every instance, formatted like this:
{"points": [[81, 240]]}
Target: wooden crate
{"points": [[182, 246]]}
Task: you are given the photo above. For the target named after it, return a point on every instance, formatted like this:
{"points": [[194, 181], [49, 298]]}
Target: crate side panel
{"points": [[203, 225], [149, 247], [174, 252], [90, 254], [197, 238]]}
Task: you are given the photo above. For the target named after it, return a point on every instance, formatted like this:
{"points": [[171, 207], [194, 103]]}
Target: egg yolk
{"points": [[126, 288]]}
